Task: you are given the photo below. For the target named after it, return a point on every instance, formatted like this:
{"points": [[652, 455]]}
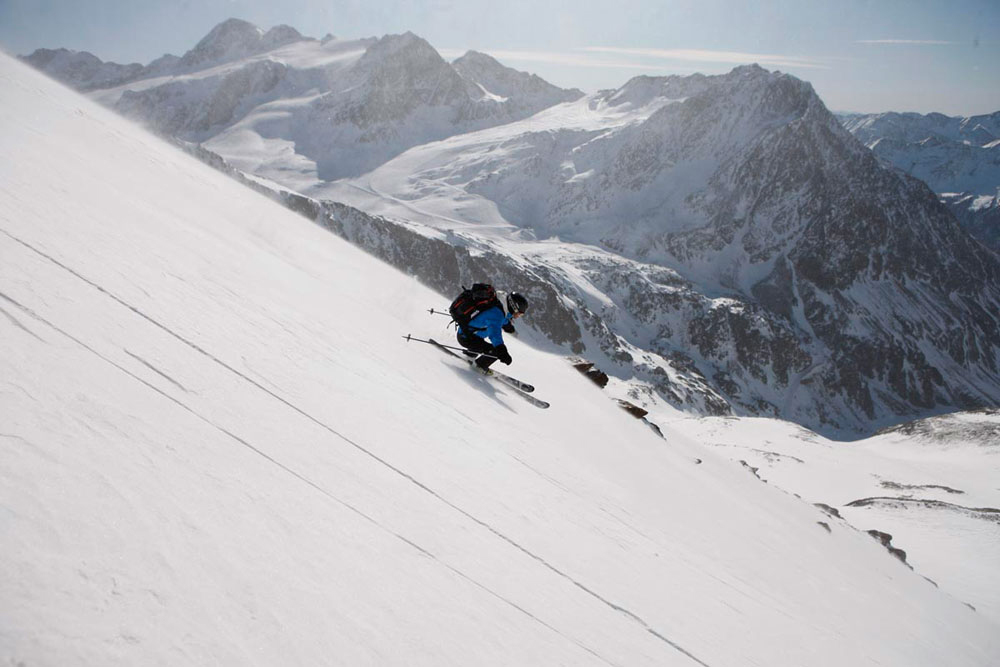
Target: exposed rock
{"points": [[752, 470], [633, 409], [990, 514], [832, 511], [886, 540], [596, 376]]}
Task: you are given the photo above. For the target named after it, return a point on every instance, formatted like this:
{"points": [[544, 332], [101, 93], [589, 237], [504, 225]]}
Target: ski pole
{"points": [[408, 338], [438, 312]]}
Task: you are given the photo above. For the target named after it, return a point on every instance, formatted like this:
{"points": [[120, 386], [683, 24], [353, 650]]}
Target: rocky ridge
{"points": [[959, 158], [506, 83]]}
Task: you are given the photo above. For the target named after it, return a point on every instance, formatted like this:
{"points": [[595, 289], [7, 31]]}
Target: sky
{"points": [[860, 55]]}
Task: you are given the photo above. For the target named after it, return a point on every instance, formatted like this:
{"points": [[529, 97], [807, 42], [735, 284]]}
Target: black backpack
{"points": [[472, 301]]}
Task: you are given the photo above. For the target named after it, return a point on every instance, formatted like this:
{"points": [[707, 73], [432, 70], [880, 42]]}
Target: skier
{"points": [[487, 327]]}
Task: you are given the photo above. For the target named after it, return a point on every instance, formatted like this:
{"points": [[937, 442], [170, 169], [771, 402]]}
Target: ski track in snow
{"points": [[17, 323], [157, 371], [540, 560]]}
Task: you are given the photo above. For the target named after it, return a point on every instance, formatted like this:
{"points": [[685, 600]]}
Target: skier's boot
{"points": [[483, 364]]}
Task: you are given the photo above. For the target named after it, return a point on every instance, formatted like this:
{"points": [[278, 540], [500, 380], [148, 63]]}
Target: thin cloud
{"points": [[919, 42], [711, 56]]}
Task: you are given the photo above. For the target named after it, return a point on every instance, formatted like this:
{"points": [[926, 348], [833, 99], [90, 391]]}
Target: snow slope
{"points": [[930, 484], [215, 448]]}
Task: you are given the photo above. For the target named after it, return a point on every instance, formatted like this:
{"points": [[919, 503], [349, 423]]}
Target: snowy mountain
{"points": [[83, 70], [234, 39], [216, 448], [718, 244], [338, 107], [959, 158], [749, 242], [230, 40]]}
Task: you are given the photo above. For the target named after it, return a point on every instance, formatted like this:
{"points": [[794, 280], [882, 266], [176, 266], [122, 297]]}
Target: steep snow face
{"points": [[959, 158], [850, 297], [213, 434]]}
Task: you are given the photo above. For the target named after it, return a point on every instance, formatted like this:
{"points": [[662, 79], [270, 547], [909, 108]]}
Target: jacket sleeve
{"points": [[489, 324], [494, 326]]}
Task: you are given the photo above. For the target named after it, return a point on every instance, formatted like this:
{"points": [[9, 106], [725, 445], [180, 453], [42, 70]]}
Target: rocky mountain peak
{"points": [[407, 70], [81, 69], [507, 82], [477, 61], [406, 44], [781, 93], [643, 89], [41, 58], [236, 38], [229, 33], [474, 57], [281, 34]]}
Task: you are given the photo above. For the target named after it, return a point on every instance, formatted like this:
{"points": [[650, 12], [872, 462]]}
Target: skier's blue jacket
{"points": [[488, 324]]}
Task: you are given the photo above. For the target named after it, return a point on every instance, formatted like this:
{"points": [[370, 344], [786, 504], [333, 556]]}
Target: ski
{"points": [[506, 379], [523, 388]]}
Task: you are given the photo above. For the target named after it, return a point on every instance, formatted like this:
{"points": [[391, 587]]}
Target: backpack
{"points": [[472, 301]]}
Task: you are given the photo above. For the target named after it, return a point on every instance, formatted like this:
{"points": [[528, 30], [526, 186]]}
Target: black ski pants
{"points": [[474, 343]]}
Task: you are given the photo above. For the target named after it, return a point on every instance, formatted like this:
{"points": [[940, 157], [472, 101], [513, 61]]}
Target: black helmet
{"points": [[516, 303]]}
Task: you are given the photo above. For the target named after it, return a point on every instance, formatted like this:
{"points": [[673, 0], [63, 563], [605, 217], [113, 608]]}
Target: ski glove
{"points": [[509, 328], [501, 353]]}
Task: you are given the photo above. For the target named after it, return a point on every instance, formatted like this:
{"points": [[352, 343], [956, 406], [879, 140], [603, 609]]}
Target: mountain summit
{"points": [[233, 39], [509, 83]]}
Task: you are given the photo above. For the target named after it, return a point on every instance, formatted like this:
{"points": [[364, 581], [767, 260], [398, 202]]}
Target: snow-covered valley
{"points": [[216, 447]]}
